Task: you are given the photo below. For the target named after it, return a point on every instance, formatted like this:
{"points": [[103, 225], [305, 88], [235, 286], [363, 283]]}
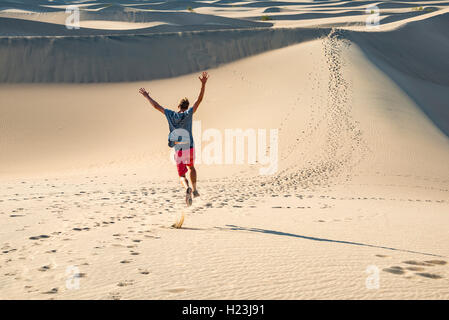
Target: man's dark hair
{"points": [[184, 104]]}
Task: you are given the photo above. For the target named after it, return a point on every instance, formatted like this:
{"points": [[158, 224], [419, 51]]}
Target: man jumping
{"points": [[181, 138]]}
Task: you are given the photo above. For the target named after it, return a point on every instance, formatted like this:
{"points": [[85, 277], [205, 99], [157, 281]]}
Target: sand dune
{"points": [[152, 54], [88, 194], [418, 75], [108, 18]]}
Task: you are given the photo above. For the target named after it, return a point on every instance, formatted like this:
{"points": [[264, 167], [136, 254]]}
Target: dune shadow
{"points": [[195, 229], [419, 68], [286, 234]]}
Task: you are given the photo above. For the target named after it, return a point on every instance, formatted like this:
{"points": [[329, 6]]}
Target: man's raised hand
{"points": [[203, 78], [143, 92], [156, 105]]}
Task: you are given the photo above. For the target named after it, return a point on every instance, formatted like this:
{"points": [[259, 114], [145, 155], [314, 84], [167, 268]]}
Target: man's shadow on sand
{"points": [[280, 233]]}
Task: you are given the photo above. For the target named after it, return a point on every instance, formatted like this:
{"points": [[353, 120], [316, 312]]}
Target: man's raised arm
{"points": [[156, 105], [203, 78]]}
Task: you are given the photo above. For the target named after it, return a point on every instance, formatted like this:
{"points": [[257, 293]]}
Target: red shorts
{"points": [[183, 159]]}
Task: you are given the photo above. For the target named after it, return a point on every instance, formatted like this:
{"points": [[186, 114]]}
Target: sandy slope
{"points": [[363, 181]]}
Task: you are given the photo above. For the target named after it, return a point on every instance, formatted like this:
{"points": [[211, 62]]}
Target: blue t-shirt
{"points": [[180, 125]]}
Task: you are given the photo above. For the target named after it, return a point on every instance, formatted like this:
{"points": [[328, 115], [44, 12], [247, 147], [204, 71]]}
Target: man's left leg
{"points": [[185, 184], [182, 170]]}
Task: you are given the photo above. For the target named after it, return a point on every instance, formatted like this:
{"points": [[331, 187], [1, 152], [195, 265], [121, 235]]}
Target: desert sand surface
{"points": [[357, 208]]}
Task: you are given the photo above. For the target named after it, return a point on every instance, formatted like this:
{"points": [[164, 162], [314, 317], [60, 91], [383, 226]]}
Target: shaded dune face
{"points": [[136, 57], [421, 72]]}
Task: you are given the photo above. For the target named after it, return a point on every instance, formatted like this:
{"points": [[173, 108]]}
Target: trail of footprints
{"points": [[421, 269], [127, 205], [109, 207], [135, 205]]}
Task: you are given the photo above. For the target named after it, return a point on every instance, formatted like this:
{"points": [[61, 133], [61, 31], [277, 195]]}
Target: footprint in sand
{"points": [[145, 272], [52, 291], [415, 268], [114, 295], [44, 268], [438, 262], [79, 275], [395, 270], [429, 275], [125, 261], [418, 263], [125, 283], [42, 236], [81, 229], [153, 237]]}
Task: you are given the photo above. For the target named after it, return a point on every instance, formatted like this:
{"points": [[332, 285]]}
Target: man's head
{"points": [[183, 104]]}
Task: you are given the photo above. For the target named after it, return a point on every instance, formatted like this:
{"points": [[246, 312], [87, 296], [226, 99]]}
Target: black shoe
{"points": [[189, 196], [196, 194]]}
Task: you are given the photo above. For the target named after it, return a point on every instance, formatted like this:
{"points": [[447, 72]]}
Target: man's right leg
{"points": [[192, 173], [185, 184]]}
